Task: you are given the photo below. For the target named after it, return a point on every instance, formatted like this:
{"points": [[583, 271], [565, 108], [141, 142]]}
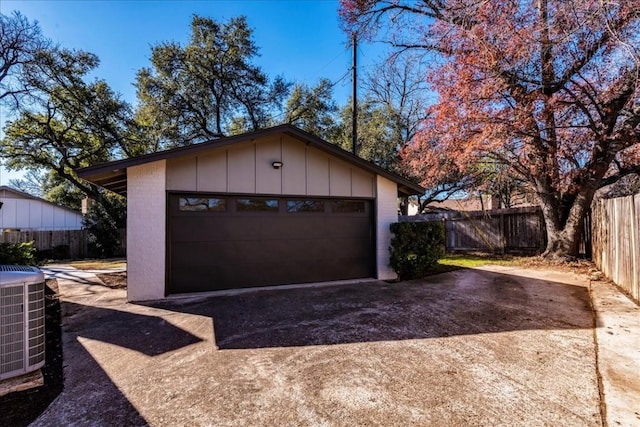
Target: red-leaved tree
{"points": [[548, 88]]}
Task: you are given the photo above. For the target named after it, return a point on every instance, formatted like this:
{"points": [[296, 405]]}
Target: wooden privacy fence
{"points": [[616, 241], [519, 230], [60, 244]]}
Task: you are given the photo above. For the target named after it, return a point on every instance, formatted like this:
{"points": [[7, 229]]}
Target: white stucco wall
{"points": [[386, 213], [146, 231]]}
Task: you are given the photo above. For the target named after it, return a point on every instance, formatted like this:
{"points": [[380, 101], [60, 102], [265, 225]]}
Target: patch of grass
{"points": [[99, 264], [452, 262], [477, 260]]}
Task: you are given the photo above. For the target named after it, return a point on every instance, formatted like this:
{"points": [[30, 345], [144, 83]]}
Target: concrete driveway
{"points": [[493, 346]]}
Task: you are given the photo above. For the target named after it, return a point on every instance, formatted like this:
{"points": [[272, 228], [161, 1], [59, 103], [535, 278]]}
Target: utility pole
{"points": [[354, 99]]}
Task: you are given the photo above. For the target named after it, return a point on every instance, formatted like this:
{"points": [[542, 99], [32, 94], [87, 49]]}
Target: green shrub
{"points": [[58, 252], [416, 248], [18, 253]]}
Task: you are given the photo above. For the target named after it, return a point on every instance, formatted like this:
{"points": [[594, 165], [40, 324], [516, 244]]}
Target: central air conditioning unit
{"points": [[22, 330]]}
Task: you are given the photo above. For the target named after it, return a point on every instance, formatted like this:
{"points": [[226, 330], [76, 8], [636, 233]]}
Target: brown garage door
{"points": [[225, 242]]}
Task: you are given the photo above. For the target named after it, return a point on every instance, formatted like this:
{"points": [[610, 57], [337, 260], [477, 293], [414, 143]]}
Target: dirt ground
{"points": [[114, 280], [491, 346]]}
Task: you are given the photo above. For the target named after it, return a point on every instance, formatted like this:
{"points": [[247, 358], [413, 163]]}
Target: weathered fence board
{"points": [[518, 230], [616, 241], [72, 244]]}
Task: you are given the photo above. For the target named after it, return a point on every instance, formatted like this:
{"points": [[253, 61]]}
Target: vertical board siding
{"points": [[183, 173], [616, 241], [211, 172], [268, 179], [241, 170], [247, 168], [339, 179], [294, 171], [37, 215], [317, 172]]}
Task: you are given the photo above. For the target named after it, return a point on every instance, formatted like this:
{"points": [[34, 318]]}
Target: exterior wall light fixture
{"points": [[276, 165]]}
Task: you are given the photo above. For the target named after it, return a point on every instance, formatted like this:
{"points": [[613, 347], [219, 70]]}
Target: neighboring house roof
{"points": [[473, 203], [113, 175], [458, 205], [22, 195]]}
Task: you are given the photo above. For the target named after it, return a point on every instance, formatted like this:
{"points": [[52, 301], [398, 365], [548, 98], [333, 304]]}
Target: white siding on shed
{"points": [[32, 214]]}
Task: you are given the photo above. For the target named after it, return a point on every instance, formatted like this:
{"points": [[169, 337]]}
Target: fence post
{"points": [[503, 237], [446, 235], [634, 254], [543, 230], [614, 239]]}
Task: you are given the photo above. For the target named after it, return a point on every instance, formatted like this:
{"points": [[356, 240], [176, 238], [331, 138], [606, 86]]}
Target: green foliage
{"points": [[416, 248], [206, 89], [312, 109], [63, 121], [18, 253], [375, 137], [104, 221], [473, 260], [60, 120], [20, 41]]}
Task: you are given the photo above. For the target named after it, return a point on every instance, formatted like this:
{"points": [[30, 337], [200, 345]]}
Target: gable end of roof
{"points": [[113, 175]]}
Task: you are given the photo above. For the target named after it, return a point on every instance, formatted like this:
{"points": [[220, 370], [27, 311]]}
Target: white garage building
{"points": [[276, 206]]}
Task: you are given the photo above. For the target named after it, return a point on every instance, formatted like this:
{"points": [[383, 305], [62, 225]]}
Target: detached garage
{"points": [[277, 206]]}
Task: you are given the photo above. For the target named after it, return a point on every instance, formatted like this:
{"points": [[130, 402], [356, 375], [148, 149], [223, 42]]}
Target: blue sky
{"points": [[300, 40]]}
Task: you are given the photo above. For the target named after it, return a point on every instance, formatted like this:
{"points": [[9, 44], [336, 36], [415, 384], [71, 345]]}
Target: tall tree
{"points": [[398, 87], [207, 88], [20, 42], [57, 120], [391, 111], [547, 87], [375, 139], [313, 109], [64, 122]]}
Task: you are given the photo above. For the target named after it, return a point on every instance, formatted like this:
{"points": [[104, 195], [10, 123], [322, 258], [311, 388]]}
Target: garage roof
{"points": [[113, 175]]}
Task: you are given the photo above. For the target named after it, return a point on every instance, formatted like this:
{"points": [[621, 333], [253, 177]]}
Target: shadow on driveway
{"points": [[94, 400], [90, 396], [441, 306], [149, 335]]}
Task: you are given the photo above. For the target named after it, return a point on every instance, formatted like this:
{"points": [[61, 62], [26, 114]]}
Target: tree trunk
{"points": [[563, 237], [562, 245]]}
